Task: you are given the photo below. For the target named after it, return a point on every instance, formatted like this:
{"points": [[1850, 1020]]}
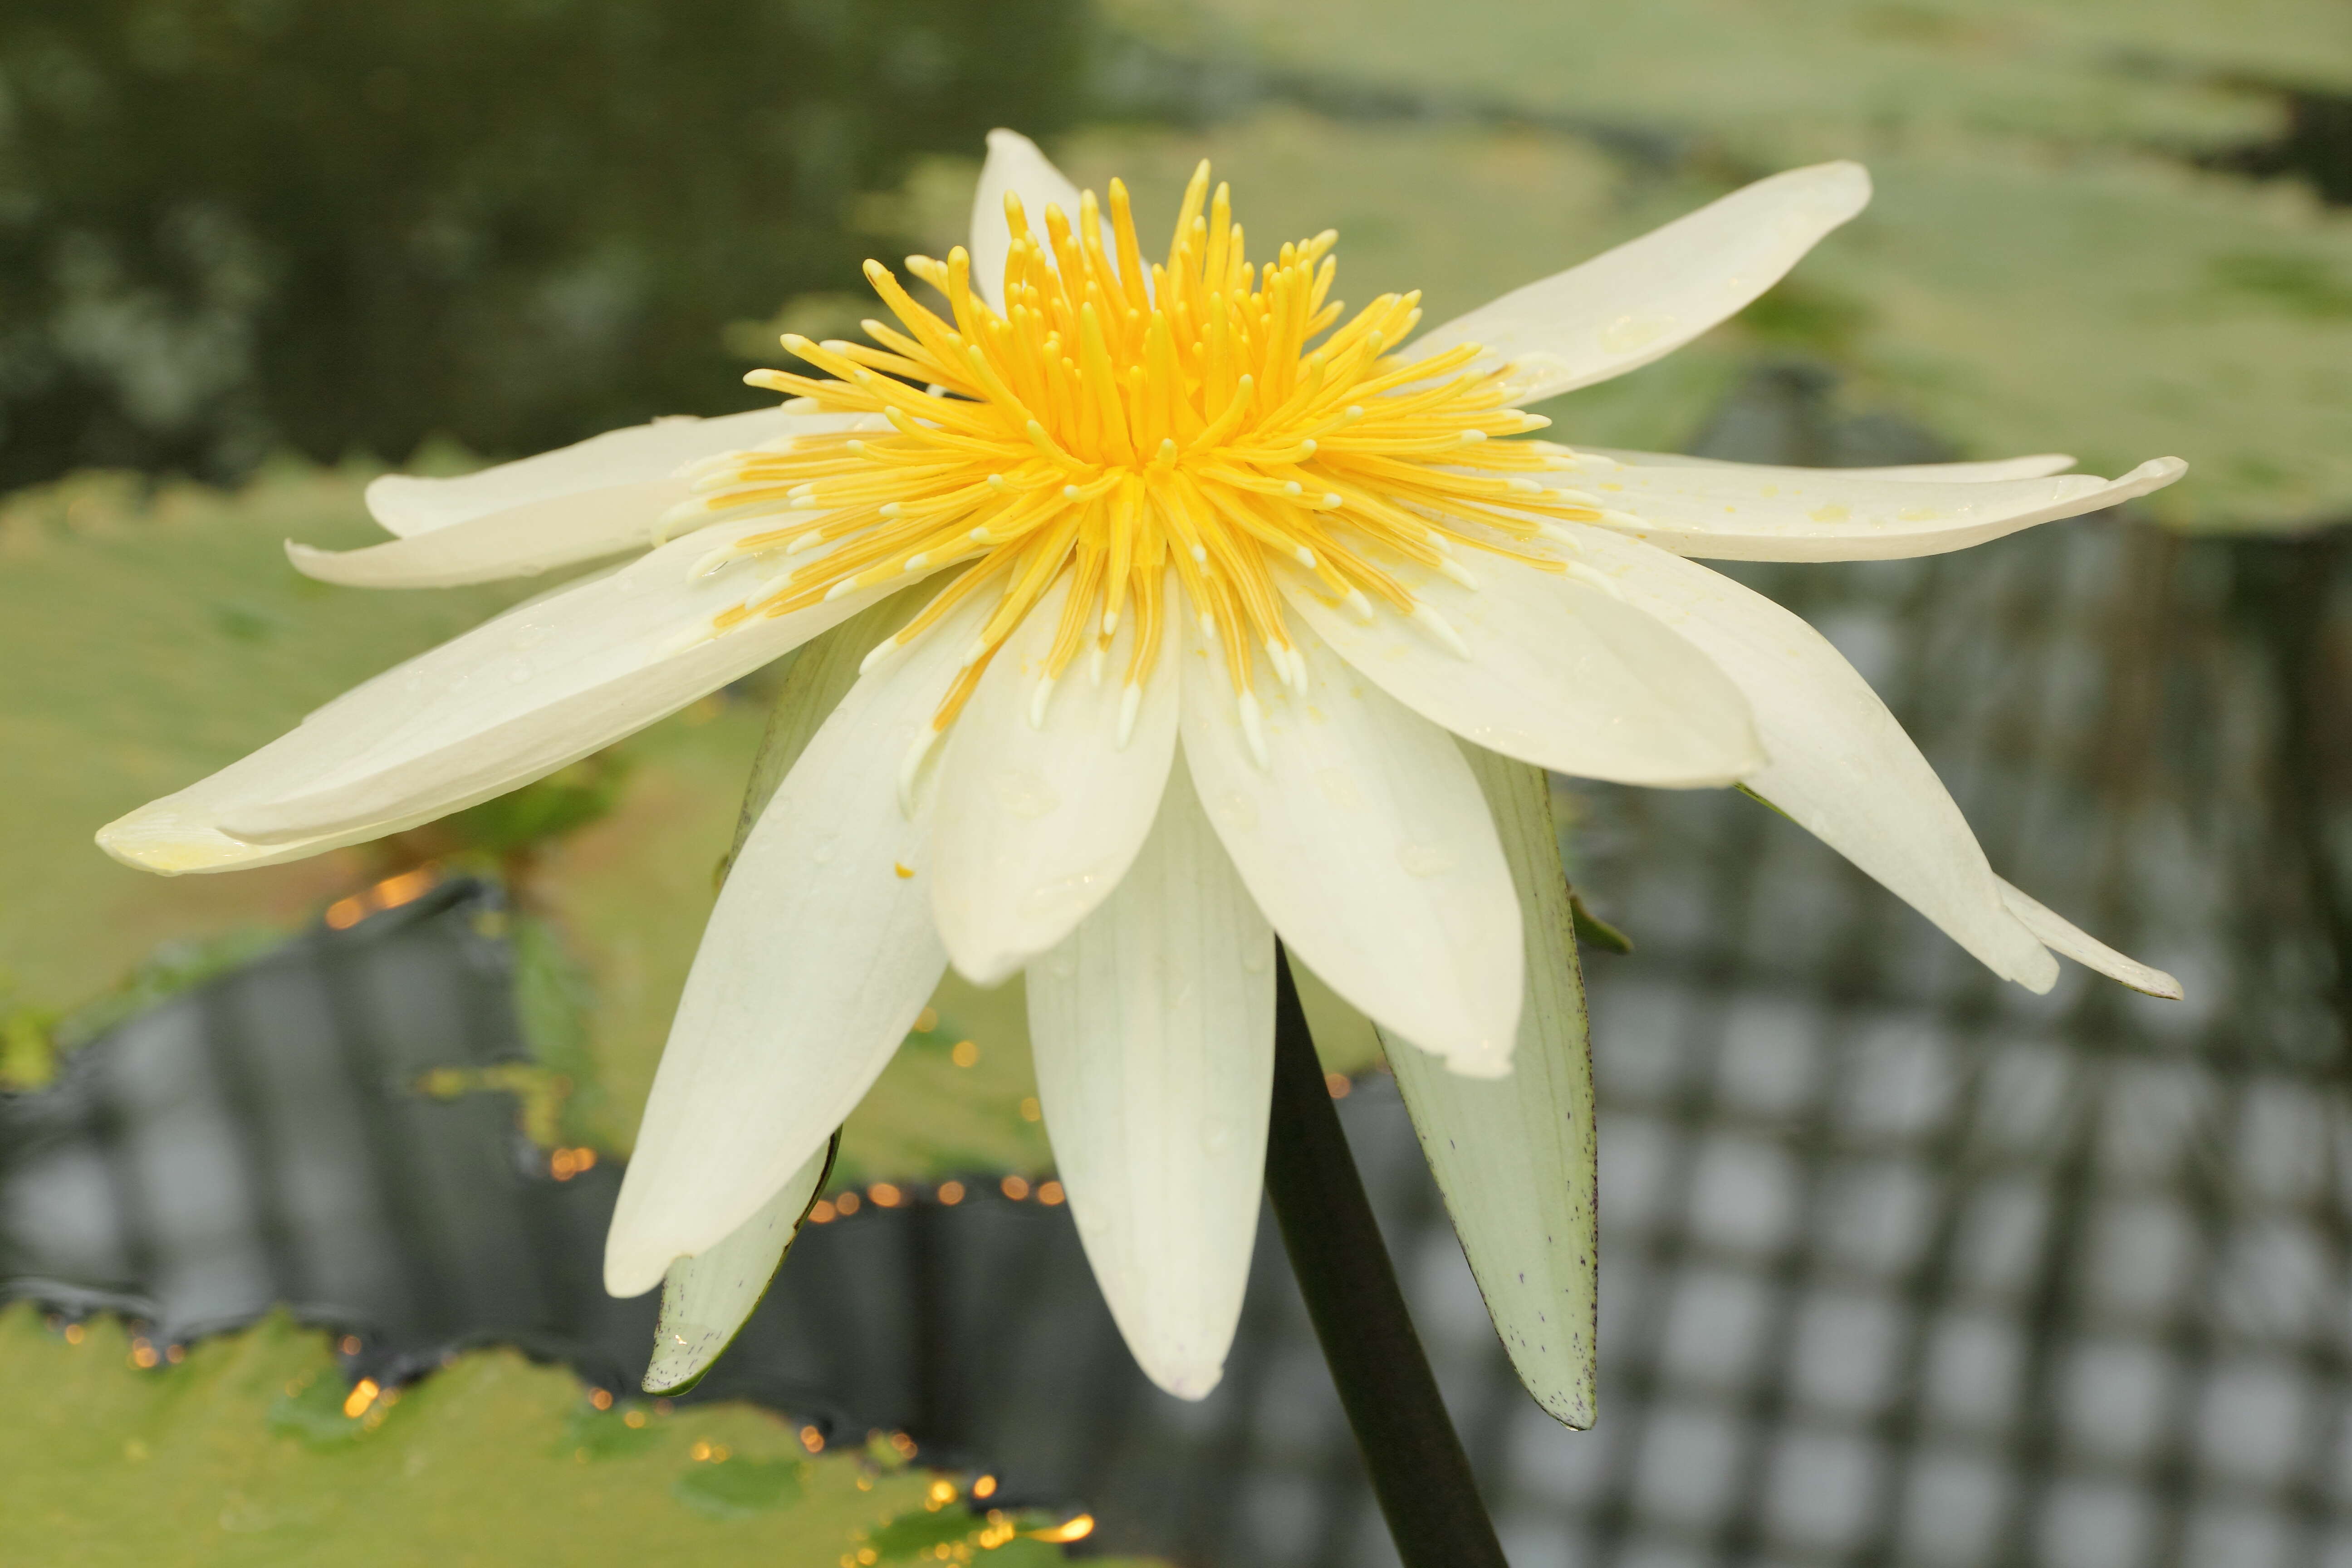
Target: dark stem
{"points": [[1418, 1471]]}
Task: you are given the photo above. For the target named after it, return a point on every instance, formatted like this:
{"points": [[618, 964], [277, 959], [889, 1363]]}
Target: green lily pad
{"points": [[255, 1451]]}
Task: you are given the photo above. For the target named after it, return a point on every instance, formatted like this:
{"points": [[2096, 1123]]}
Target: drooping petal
{"points": [[1364, 838], [636, 455], [1152, 1026], [1043, 808], [1825, 514], [520, 696], [1553, 671], [817, 959], [1840, 767], [1516, 1157], [2063, 936], [1650, 296], [1014, 165], [2038, 465], [706, 1298]]}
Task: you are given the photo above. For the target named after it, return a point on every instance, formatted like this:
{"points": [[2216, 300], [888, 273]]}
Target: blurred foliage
{"points": [[229, 228], [256, 1451], [2055, 258]]}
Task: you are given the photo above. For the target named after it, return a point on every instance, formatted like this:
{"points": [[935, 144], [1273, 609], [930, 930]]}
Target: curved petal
{"points": [[2063, 936], [1153, 1030], [601, 497], [1041, 813], [1824, 514], [2040, 465], [520, 696], [706, 1298], [1552, 671], [1365, 840], [817, 959], [1840, 767], [1650, 296], [1516, 1159], [410, 506], [1014, 165]]}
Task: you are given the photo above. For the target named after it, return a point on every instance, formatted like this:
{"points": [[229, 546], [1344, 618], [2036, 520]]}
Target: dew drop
{"points": [[1427, 859], [1217, 1137], [1256, 960], [1238, 810], [1026, 794], [1061, 897], [822, 851]]}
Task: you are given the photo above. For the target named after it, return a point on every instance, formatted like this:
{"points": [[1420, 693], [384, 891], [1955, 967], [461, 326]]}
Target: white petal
{"points": [[2061, 936], [817, 959], [1647, 297], [1824, 514], [1037, 821], [1015, 164], [706, 1298], [1366, 842], [1153, 1031], [1515, 1157], [599, 498], [1840, 767], [518, 697], [2040, 465], [1558, 673], [636, 455]]}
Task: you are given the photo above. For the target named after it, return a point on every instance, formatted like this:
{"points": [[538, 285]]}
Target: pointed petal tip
{"points": [[628, 1266], [1186, 1377]]}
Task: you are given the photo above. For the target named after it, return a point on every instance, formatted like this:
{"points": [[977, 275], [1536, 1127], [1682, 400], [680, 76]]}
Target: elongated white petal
{"points": [[1824, 514], [2038, 465], [636, 455], [2063, 936], [1040, 814], [520, 696], [1515, 1157], [1365, 840], [1153, 1030], [1552, 671], [1650, 296], [706, 1298], [817, 959], [1015, 164], [1840, 767], [599, 498]]}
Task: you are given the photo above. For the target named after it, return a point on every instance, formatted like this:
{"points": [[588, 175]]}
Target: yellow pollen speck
{"points": [[1832, 514], [1104, 426], [905, 871]]}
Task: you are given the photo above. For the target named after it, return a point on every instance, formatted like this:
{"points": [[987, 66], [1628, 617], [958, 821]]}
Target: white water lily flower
{"points": [[1225, 573]]}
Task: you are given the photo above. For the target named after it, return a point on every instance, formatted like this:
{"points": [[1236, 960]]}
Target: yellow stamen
{"points": [[1112, 424]]}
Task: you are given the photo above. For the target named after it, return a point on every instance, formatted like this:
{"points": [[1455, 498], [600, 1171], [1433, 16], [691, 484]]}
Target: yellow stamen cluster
{"points": [[1118, 422]]}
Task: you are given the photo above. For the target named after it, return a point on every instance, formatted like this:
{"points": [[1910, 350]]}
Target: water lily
{"points": [[1215, 575]]}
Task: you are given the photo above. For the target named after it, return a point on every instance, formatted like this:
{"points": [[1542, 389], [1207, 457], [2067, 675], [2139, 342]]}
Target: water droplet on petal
{"points": [[1427, 859], [1026, 794], [1061, 898]]}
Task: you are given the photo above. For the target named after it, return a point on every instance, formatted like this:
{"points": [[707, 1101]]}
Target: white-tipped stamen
{"points": [[1438, 626], [1253, 729], [910, 767], [1458, 573], [1038, 699], [1131, 703], [1601, 579], [1359, 606], [877, 653]]}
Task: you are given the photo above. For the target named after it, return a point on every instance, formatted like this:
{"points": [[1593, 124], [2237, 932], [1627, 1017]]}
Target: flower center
{"points": [[1116, 422]]}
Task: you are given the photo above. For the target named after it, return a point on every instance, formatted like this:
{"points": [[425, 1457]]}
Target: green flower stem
{"points": [[1418, 1469]]}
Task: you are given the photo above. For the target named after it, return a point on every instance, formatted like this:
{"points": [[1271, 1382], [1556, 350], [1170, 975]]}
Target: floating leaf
{"points": [[255, 1450]]}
